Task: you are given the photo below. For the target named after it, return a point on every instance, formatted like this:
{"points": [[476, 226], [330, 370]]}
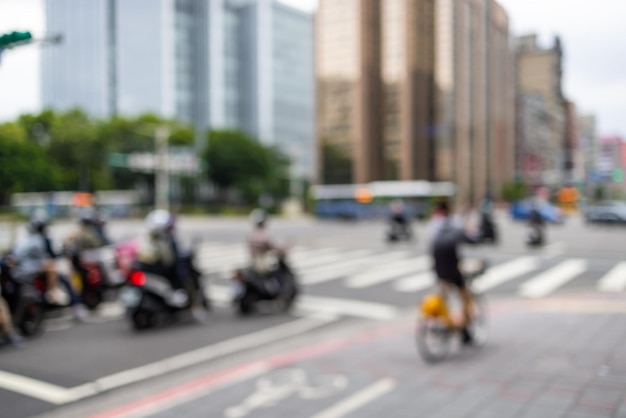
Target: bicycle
{"points": [[436, 326]]}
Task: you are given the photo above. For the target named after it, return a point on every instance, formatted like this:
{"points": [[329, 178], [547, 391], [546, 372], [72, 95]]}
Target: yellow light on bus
{"points": [[363, 195]]}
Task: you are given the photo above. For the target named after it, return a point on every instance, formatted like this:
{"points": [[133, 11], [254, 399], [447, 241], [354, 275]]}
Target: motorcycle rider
{"points": [[536, 224], [159, 253], [263, 251], [34, 255], [90, 236], [398, 219]]}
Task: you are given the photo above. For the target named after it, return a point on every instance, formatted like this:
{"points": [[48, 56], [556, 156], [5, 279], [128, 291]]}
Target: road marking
{"points": [[548, 281], [415, 283], [195, 390], [324, 259], [368, 310], [614, 280], [59, 395], [346, 267], [505, 272], [307, 305], [389, 272], [358, 400]]}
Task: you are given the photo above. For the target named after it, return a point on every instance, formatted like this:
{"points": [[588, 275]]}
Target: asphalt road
{"points": [[349, 274]]}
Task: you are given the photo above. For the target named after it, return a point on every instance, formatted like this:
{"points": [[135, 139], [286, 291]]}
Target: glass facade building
{"points": [[237, 64]]}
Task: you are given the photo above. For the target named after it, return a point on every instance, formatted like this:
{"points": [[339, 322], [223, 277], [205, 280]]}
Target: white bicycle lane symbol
{"points": [[281, 384]]}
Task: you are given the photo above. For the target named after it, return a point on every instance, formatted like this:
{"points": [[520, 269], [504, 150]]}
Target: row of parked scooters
{"points": [[150, 299]]}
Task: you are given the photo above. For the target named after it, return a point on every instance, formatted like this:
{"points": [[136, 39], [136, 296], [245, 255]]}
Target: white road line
{"points": [[548, 281], [59, 395], [346, 307], [505, 272], [389, 272], [344, 268], [415, 283], [358, 400], [322, 259], [306, 305], [614, 280]]}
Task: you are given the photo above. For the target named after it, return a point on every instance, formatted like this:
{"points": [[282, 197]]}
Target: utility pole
{"points": [[112, 49], [162, 178], [489, 160]]}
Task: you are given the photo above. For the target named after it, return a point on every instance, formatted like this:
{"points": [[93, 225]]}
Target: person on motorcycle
{"points": [[447, 233], [160, 253], [91, 232], [34, 255], [263, 251], [398, 219], [90, 236]]}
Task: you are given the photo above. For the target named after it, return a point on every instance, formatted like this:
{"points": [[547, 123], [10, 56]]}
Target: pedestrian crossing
{"points": [[405, 271]]}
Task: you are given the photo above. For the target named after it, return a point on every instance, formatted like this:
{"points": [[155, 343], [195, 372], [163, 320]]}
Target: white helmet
{"points": [[38, 221], [159, 221]]}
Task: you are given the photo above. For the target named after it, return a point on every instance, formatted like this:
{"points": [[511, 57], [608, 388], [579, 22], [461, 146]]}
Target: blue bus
{"points": [[371, 200]]}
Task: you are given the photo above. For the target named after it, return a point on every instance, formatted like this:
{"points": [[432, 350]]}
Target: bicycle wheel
{"points": [[433, 339], [478, 326]]}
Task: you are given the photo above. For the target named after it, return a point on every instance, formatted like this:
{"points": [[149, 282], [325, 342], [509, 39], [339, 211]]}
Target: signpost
{"points": [[163, 162]]}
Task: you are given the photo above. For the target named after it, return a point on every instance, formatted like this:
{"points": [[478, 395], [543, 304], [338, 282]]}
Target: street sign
{"points": [[176, 162]]}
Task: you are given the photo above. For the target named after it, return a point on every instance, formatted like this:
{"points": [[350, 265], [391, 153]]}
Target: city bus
{"points": [[361, 201]]}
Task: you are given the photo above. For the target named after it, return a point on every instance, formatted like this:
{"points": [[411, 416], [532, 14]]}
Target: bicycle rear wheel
{"points": [[433, 339]]}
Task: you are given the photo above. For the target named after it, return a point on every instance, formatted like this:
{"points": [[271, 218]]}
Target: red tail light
{"points": [[137, 278]]}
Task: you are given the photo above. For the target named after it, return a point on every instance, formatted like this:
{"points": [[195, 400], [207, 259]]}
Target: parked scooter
{"points": [[278, 287], [151, 300]]}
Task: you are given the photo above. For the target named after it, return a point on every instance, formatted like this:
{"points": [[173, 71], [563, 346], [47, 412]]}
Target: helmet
{"points": [[433, 305], [38, 221], [159, 221], [258, 217]]}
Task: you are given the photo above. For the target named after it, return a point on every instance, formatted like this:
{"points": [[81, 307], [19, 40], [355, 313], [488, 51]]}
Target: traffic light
{"points": [[9, 39]]}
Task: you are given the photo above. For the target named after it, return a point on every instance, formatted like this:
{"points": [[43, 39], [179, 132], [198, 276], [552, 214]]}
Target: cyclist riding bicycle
{"points": [[447, 233]]}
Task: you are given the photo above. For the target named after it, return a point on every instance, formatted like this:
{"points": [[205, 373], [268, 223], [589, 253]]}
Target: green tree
{"points": [[24, 166], [514, 191], [238, 162]]}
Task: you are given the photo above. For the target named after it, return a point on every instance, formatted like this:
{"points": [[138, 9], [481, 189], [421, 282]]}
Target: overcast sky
{"points": [[593, 34]]}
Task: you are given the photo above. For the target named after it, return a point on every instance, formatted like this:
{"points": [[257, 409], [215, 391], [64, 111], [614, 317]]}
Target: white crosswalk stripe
{"points": [[505, 272], [389, 272], [547, 282], [415, 282], [614, 280], [349, 266]]}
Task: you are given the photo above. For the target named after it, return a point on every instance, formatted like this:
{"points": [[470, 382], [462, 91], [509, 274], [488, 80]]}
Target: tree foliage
{"points": [[238, 162], [336, 165]]}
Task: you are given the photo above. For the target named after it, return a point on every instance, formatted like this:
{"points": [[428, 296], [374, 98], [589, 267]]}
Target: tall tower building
{"points": [[475, 98], [375, 89]]}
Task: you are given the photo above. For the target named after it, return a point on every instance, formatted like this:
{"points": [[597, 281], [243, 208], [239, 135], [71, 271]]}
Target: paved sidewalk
{"points": [[552, 358]]}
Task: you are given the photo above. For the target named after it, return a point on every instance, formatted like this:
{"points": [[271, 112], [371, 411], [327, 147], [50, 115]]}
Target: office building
{"points": [[375, 90], [237, 64], [475, 81]]}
